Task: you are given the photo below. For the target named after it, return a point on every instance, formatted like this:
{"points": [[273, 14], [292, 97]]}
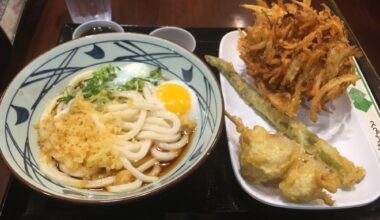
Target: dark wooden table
{"points": [[43, 20]]}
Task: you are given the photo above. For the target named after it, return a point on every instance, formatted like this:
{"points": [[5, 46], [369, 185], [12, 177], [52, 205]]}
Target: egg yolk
{"points": [[175, 98]]}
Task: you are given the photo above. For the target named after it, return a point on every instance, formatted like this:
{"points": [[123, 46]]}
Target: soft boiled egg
{"points": [[178, 98]]}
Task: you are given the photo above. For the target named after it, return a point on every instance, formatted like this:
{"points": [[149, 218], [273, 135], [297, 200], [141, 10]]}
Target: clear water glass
{"points": [[87, 10]]}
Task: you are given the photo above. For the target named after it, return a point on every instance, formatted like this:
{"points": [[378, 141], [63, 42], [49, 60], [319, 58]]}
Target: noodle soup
{"points": [[116, 128]]}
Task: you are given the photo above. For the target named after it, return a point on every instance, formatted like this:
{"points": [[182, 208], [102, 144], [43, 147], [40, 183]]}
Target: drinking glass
{"points": [[86, 10]]}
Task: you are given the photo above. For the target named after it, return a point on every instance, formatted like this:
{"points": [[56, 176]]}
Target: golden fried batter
{"points": [[265, 156], [306, 181]]}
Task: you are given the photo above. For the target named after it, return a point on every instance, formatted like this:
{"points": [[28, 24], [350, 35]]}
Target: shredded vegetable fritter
{"points": [[295, 53]]}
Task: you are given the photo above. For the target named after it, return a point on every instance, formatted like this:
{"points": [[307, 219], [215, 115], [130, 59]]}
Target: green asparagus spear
{"points": [[346, 171]]}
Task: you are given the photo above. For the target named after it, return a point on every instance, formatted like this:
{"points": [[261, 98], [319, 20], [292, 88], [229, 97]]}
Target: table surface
{"points": [[42, 21]]}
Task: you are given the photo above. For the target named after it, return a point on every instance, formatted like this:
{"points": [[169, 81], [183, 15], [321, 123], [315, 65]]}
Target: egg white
{"points": [[130, 71]]}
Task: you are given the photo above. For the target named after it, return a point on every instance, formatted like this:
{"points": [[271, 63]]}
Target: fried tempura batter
{"points": [[294, 52], [306, 181], [264, 156]]}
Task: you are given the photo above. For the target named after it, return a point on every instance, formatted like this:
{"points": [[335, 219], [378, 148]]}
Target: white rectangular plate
{"points": [[352, 131]]}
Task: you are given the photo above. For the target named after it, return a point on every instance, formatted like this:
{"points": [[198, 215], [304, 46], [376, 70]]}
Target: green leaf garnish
{"points": [[156, 73], [138, 83], [134, 84], [68, 96], [98, 90], [98, 82]]}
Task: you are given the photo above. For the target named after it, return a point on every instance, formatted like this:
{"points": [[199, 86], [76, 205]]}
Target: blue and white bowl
{"points": [[48, 75]]}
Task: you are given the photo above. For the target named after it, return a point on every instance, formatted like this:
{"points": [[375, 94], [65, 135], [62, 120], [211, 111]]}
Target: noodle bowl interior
{"points": [[115, 128]]}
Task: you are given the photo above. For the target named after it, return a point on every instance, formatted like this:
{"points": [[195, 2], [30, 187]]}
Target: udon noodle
{"points": [[117, 146]]}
